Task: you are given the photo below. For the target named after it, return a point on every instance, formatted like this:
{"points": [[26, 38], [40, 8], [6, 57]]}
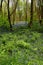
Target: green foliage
{"points": [[23, 44], [21, 47]]}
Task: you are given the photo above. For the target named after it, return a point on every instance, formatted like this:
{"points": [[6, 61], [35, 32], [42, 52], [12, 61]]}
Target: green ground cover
{"points": [[23, 46]]}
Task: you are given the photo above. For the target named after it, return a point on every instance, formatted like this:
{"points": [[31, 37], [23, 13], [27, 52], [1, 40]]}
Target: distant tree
{"points": [[40, 10], [14, 5], [13, 15], [19, 8]]}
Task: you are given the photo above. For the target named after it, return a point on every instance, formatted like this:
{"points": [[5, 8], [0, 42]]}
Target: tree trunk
{"points": [[31, 18], [1, 5], [20, 13], [26, 10], [9, 17], [40, 18], [42, 10]]}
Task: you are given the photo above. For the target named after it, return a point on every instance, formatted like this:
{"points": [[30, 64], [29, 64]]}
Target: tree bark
{"points": [[31, 18], [26, 10], [9, 17], [1, 5], [40, 18], [42, 10]]}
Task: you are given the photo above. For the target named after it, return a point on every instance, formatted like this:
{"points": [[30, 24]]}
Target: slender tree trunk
{"points": [[42, 10], [9, 17], [1, 5], [13, 5], [40, 18], [14, 11], [31, 18], [14, 14], [19, 12], [26, 10]]}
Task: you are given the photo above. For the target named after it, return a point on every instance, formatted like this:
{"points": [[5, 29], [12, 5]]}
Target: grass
{"points": [[23, 46]]}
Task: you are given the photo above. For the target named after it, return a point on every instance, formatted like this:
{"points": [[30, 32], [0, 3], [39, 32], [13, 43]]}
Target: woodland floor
{"points": [[23, 46]]}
